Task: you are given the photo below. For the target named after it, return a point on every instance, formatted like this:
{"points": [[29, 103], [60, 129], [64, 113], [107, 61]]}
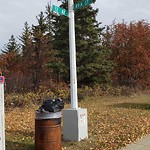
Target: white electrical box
{"points": [[75, 124], [2, 115]]}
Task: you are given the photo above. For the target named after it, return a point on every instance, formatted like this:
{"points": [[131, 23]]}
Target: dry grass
{"points": [[113, 122]]}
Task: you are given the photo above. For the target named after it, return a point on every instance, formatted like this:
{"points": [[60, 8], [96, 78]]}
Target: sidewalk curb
{"points": [[142, 144]]}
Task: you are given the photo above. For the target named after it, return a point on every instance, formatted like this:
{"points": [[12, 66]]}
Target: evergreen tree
{"points": [[26, 40], [39, 41], [10, 60], [11, 46], [26, 58], [42, 50], [26, 46], [11, 53], [55, 64], [49, 16], [92, 59]]}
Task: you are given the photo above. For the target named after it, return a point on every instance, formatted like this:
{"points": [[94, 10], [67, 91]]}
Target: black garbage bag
{"points": [[52, 105]]}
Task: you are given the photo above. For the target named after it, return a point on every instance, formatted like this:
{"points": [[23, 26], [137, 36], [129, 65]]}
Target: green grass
{"points": [[19, 142], [113, 122]]}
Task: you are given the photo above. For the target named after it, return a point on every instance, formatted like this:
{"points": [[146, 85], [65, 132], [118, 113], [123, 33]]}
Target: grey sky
{"points": [[13, 13]]}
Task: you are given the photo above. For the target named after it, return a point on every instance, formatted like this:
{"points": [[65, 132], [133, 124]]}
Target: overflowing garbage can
{"points": [[48, 125]]}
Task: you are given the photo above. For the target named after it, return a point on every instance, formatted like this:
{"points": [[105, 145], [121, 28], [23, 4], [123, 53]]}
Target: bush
{"points": [[37, 98], [34, 98], [15, 100], [119, 91]]}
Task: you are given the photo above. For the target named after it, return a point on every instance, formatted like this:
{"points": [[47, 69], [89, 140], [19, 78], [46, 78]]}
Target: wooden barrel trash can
{"points": [[48, 131]]}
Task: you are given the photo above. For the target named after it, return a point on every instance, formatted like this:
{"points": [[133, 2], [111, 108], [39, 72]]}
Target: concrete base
{"points": [[75, 126]]}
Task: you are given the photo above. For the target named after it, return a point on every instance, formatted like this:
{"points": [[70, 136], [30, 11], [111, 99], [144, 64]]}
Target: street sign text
{"points": [[60, 10], [82, 4]]}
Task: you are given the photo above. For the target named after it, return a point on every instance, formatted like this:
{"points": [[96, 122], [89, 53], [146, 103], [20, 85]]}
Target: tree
{"points": [[11, 46], [10, 60], [11, 53], [55, 64], [131, 52], [26, 46], [49, 20], [26, 39], [26, 58], [42, 52], [39, 48], [92, 59]]}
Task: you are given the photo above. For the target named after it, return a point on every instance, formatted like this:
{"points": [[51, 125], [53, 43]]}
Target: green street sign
{"points": [[60, 10], [82, 4]]}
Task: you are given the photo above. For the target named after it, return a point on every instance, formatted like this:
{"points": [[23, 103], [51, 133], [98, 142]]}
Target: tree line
{"points": [[118, 54]]}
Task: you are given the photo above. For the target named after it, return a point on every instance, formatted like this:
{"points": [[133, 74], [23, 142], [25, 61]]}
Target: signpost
{"points": [[75, 126], [82, 4], [72, 47], [2, 115], [60, 10], [74, 119]]}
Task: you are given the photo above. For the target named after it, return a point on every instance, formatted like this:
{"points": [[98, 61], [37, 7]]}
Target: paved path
{"points": [[142, 144]]}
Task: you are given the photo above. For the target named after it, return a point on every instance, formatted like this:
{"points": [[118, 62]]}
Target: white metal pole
{"points": [[2, 114], [72, 46]]}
